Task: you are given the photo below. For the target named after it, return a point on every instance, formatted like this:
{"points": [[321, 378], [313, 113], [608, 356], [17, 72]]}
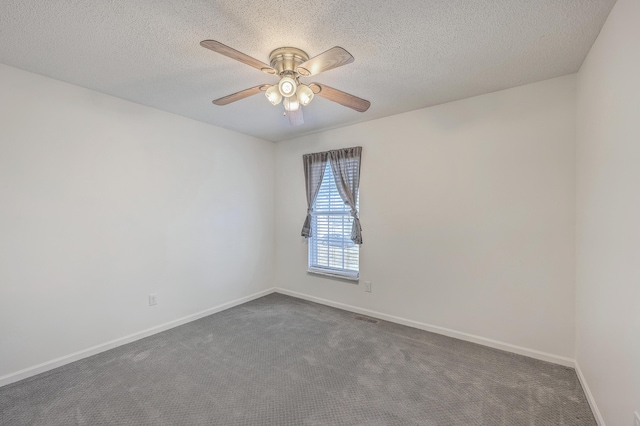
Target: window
{"points": [[331, 250]]}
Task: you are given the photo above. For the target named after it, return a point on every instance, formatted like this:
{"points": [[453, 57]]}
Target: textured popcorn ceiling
{"points": [[408, 54]]}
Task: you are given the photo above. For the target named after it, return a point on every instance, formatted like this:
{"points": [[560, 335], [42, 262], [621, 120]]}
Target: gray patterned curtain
{"points": [[314, 166], [345, 165]]}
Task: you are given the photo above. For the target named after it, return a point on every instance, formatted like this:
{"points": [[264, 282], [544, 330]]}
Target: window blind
{"points": [[330, 247]]}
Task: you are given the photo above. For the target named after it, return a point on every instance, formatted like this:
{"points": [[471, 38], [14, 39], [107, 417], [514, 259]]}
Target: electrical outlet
{"points": [[367, 286], [636, 419], [153, 299]]}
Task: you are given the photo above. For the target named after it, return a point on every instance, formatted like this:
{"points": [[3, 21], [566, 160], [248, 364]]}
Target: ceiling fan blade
{"points": [[225, 50], [343, 98], [241, 94], [295, 117], [332, 58]]}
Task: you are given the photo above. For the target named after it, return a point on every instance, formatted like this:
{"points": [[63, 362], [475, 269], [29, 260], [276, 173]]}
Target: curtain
{"points": [[314, 166], [345, 165]]}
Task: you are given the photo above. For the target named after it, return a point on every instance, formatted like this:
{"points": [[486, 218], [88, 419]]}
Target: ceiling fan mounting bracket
{"points": [[285, 60]]}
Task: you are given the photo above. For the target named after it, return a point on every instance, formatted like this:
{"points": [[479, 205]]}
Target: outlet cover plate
{"points": [[153, 299], [367, 286], [636, 419]]}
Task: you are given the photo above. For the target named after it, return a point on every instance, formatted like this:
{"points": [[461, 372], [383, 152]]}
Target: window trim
{"points": [[343, 275]]}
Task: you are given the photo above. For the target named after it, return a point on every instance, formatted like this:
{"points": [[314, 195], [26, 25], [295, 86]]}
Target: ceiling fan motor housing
{"points": [[285, 60]]}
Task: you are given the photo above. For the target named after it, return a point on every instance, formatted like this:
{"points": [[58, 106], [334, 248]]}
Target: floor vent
{"points": [[365, 319]]}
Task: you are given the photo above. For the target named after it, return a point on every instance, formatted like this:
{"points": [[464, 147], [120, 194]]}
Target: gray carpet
{"points": [[283, 361]]}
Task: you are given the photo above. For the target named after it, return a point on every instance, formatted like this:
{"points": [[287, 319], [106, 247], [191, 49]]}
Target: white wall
{"points": [[468, 216], [608, 216], [103, 201]]}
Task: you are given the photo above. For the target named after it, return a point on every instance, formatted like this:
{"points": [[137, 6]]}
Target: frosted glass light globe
{"points": [[287, 87], [273, 94], [291, 104], [305, 94]]}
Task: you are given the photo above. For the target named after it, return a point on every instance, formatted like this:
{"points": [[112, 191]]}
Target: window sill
{"points": [[343, 276]]}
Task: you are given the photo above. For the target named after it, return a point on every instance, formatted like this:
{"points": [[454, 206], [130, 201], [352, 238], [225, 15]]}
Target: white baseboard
{"points": [[58, 362], [532, 353], [590, 398]]}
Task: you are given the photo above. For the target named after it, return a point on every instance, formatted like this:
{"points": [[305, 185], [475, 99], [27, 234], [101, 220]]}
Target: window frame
{"points": [[344, 274]]}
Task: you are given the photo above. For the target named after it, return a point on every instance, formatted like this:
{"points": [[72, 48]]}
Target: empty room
{"points": [[247, 212]]}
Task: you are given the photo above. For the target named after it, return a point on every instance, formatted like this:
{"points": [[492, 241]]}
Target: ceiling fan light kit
{"points": [[290, 63]]}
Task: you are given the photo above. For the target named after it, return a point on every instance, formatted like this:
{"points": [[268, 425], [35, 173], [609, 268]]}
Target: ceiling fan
{"points": [[289, 64]]}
